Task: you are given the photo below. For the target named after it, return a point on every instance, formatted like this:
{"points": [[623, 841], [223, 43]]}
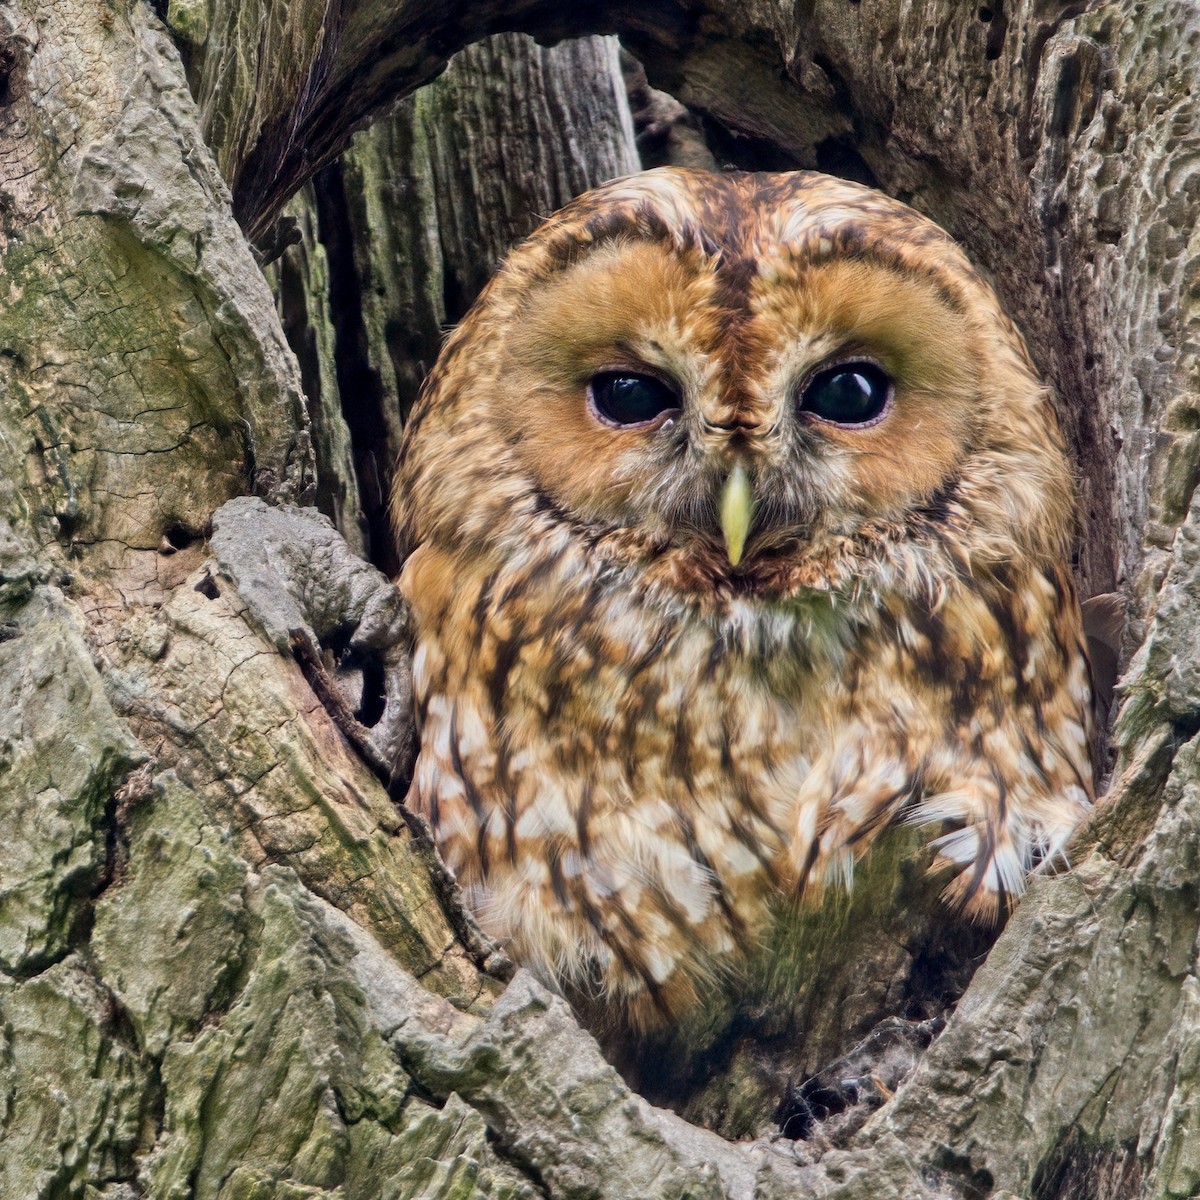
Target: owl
{"points": [[737, 524]]}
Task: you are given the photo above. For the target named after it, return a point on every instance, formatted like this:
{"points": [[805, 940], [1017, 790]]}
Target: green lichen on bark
{"points": [[75, 1095], [63, 753], [274, 1078]]}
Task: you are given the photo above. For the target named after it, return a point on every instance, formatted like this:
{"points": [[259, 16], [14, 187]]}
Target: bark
{"points": [[230, 967], [399, 235]]}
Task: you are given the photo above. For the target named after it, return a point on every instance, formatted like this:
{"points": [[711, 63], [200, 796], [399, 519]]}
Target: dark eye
{"points": [[626, 399], [851, 393]]}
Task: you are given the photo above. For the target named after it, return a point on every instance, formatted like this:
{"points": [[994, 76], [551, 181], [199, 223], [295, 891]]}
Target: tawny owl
{"points": [[738, 524]]}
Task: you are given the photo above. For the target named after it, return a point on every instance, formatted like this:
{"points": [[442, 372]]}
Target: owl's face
{"points": [[739, 370]]}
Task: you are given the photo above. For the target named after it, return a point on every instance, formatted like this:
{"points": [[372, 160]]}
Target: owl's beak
{"points": [[737, 511]]}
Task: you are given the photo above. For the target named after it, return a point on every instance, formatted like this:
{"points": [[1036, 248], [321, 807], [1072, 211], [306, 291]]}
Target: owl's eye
{"points": [[621, 398], [851, 393]]}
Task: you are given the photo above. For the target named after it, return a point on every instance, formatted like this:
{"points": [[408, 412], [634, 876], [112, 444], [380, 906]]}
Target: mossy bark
{"points": [[228, 967]]}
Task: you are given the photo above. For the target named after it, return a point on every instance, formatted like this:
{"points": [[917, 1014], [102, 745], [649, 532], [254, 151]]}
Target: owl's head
{"points": [[738, 378]]}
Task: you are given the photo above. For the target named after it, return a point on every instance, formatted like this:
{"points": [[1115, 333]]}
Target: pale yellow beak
{"points": [[737, 511]]}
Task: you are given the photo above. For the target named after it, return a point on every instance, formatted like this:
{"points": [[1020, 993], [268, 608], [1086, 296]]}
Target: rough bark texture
{"points": [[228, 967], [398, 237]]}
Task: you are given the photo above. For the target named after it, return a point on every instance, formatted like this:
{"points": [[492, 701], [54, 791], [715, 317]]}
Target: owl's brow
{"points": [[643, 222], [565, 245], [854, 240], [734, 254]]}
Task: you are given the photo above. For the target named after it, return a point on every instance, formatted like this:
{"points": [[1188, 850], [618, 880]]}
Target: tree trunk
{"points": [[412, 221], [231, 966]]}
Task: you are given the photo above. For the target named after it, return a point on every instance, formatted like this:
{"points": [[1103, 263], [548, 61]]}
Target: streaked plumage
{"points": [[630, 746]]}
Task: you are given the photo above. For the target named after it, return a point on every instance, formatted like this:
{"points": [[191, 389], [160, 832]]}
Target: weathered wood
{"points": [[403, 231]]}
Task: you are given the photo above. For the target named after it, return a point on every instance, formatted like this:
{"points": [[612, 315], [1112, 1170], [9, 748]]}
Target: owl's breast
{"points": [[611, 773]]}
